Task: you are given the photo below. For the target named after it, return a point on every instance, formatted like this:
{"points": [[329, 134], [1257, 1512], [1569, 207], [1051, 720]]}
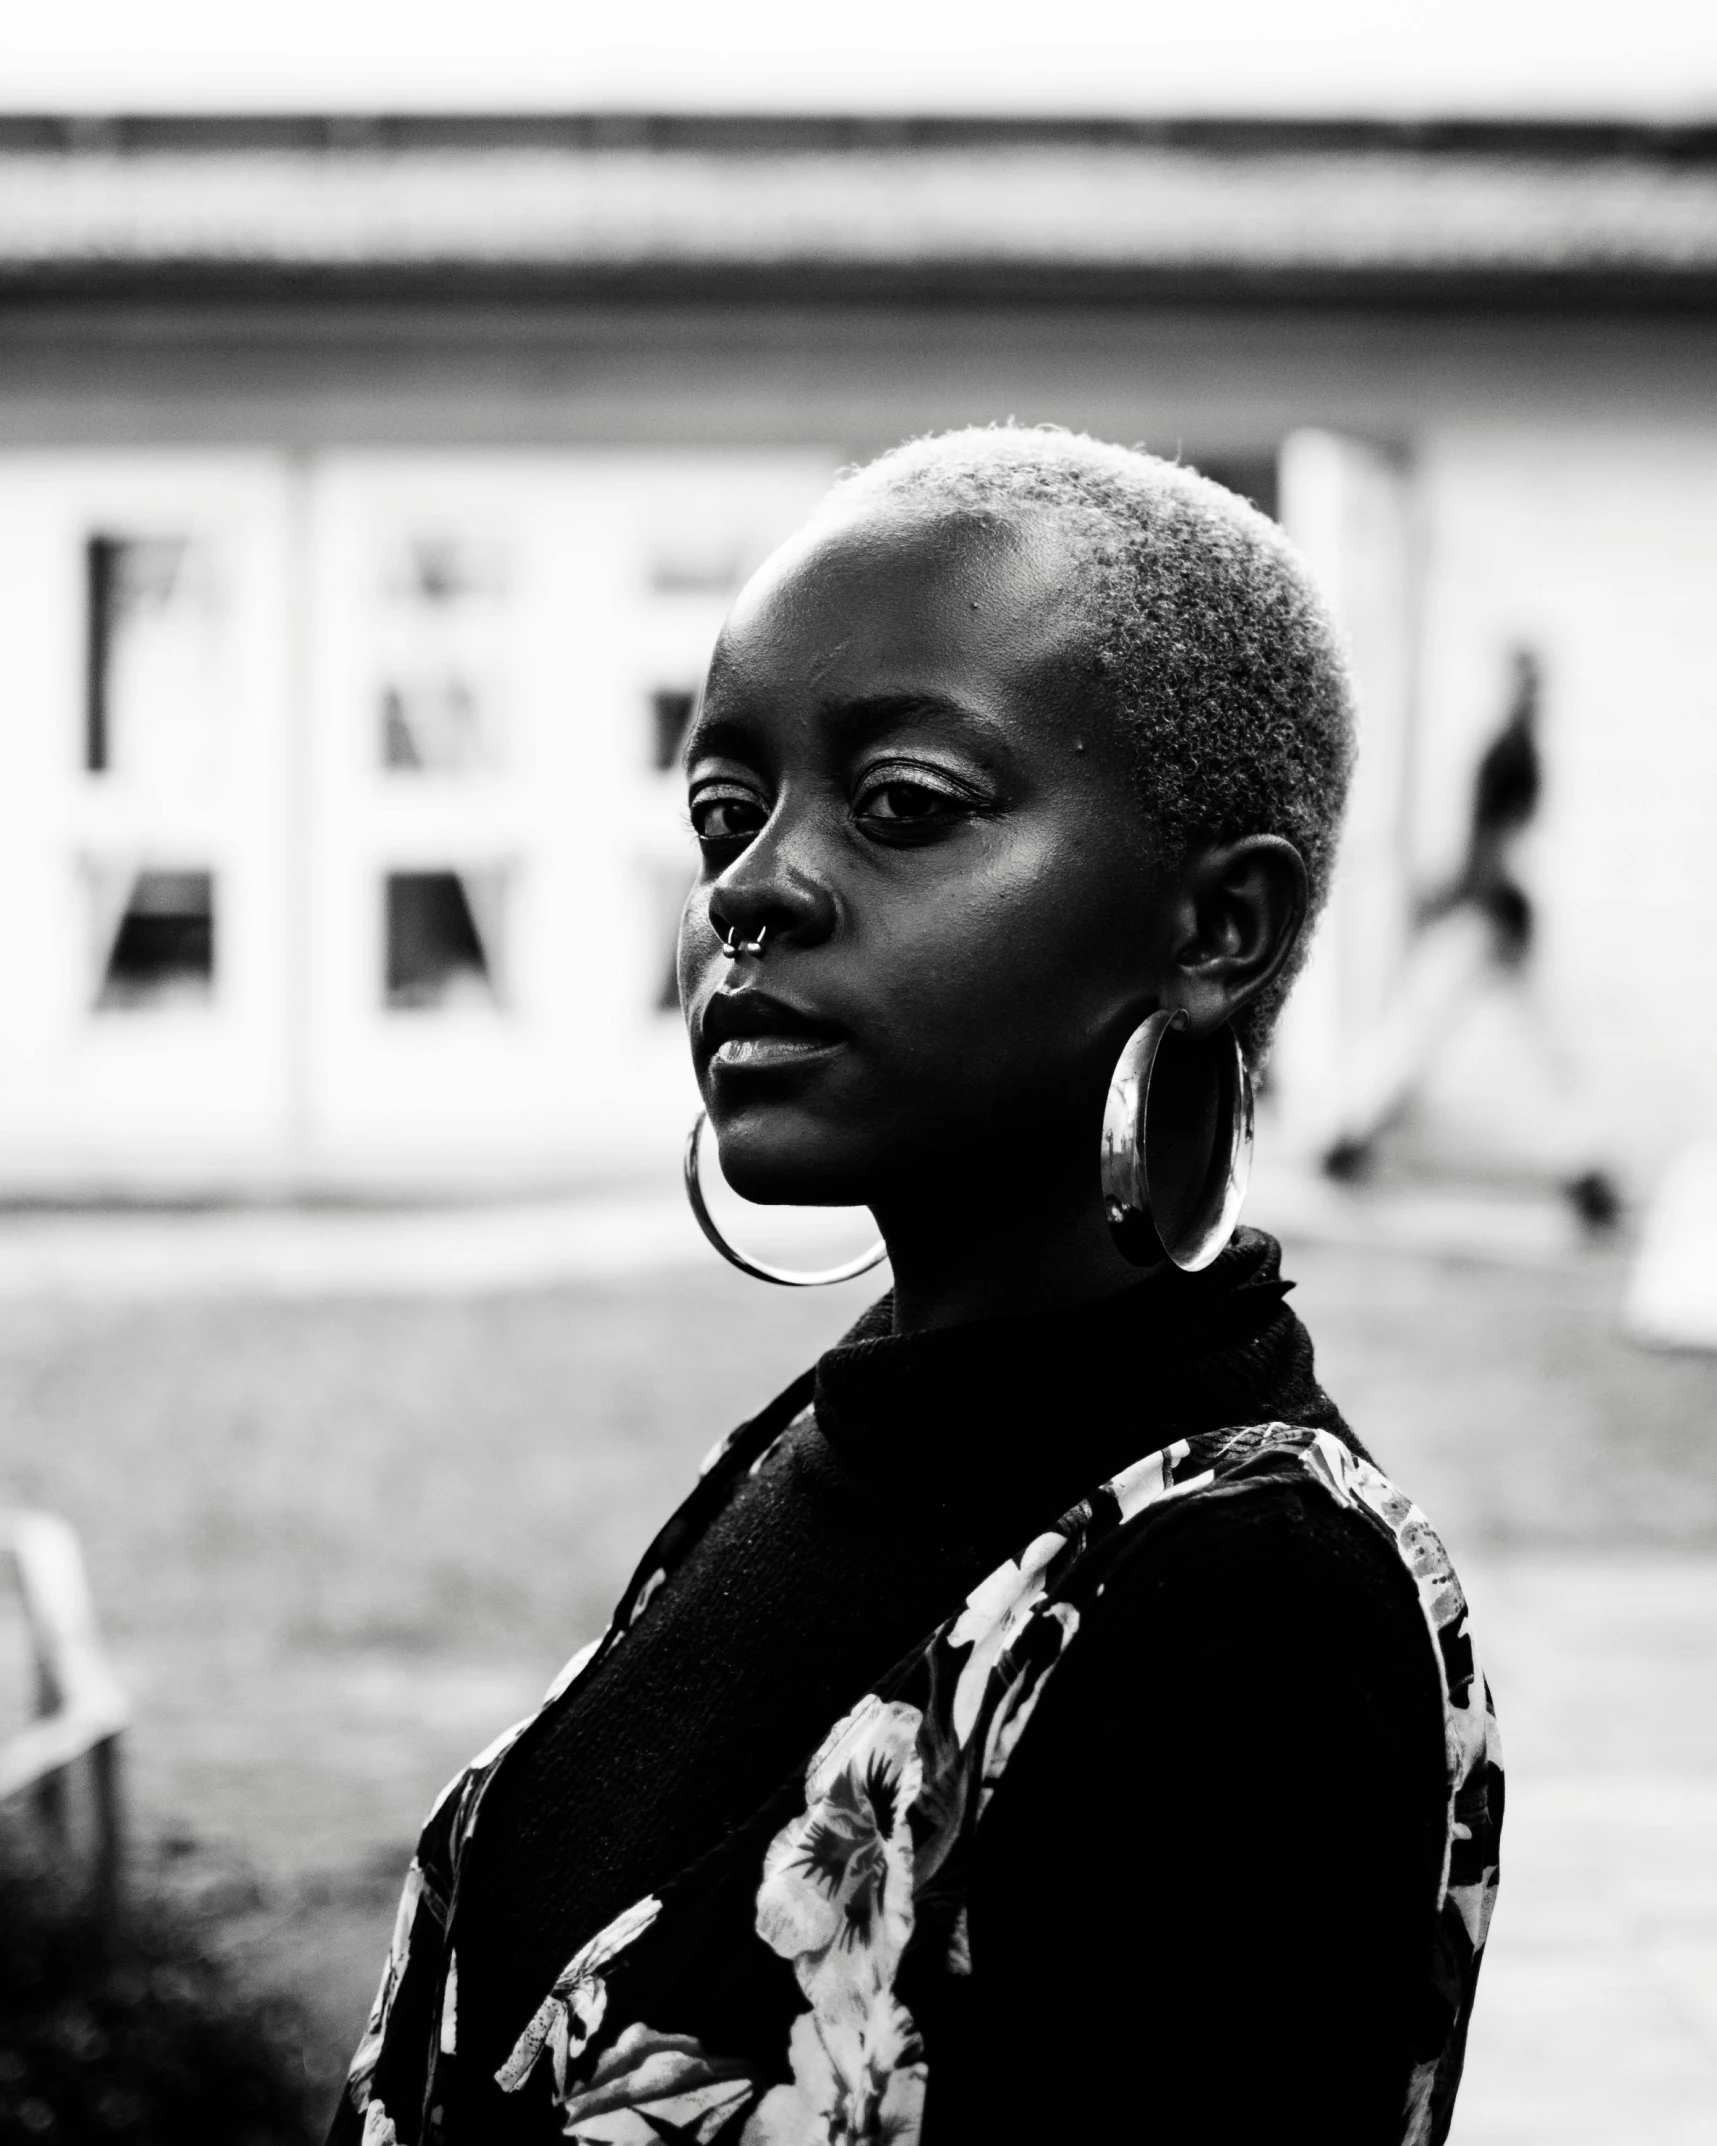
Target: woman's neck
{"points": [[958, 1258]]}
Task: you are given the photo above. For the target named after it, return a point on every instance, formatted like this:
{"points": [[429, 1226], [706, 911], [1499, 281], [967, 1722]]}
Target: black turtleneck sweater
{"points": [[1194, 1736]]}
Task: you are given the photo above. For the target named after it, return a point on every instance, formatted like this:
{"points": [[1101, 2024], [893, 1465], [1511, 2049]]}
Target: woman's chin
{"points": [[777, 1156]]}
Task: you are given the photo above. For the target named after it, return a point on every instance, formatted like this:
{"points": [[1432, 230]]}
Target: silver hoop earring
{"points": [[1163, 1206], [757, 1268]]}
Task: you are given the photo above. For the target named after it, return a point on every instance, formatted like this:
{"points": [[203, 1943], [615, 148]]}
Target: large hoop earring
{"points": [[1160, 1204], [757, 1268]]}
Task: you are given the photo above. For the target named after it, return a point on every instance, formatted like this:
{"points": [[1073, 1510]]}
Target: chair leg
{"points": [[107, 1870]]}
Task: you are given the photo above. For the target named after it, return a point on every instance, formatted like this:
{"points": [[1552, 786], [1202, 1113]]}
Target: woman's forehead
{"points": [[880, 601]]}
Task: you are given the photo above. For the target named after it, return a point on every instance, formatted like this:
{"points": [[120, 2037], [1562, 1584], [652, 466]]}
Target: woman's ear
{"points": [[1244, 906]]}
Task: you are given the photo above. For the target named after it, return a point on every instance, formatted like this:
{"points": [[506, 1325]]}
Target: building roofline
{"points": [[226, 299], [935, 211], [139, 133]]}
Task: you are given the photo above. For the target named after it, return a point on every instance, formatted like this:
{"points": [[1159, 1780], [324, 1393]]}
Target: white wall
{"points": [[1596, 543], [1350, 506], [616, 571], [1586, 533], [180, 1092]]}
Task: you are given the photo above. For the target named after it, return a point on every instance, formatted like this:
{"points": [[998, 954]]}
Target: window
{"points": [[669, 875], [440, 569], [151, 692], [443, 932], [441, 621], [442, 722], [671, 715], [668, 886], [155, 937]]}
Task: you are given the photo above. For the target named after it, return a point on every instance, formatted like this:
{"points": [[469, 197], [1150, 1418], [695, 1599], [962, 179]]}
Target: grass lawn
{"points": [[337, 1545]]}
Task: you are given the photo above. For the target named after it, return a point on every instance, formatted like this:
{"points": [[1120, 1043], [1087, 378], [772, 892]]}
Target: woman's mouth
{"points": [[752, 1031], [757, 1054]]}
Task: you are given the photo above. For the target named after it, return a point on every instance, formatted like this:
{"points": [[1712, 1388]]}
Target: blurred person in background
{"points": [[1043, 1719], [1475, 942]]}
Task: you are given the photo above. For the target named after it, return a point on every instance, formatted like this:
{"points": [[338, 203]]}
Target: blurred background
{"points": [[391, 401]]}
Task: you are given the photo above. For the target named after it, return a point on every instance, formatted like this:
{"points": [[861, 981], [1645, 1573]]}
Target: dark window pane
{"points": [[669, 886], [399, 747], [1252, 476], [151, 612], [441, 567], [672, 713], [163, 947], [442, 640], [438, 723], [102, 560], [441, 933]]}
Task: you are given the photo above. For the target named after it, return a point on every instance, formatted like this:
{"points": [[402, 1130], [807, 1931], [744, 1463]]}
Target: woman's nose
{"points": [[768, 896]]}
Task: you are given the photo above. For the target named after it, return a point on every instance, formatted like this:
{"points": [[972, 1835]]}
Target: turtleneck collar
{"points": [[1103, 1383]]}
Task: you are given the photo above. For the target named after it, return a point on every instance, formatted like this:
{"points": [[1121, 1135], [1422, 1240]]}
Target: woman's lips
{"points": [[753, 1031], [765, 1053]]}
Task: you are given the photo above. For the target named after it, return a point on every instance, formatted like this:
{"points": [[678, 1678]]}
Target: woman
{"points": [[1042, 1721]]}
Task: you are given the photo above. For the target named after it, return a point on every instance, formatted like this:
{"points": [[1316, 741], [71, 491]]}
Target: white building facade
{"points": [[344, 814], [369, 501]]}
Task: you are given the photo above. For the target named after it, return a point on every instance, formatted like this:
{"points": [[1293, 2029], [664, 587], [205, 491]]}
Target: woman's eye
{"points": [[726, 819], [900, 801]]}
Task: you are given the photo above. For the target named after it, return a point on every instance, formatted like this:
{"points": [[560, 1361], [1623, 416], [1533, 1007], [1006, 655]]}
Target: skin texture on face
{"points": [[898, 783]]}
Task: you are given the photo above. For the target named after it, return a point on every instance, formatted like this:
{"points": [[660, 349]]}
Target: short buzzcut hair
{"points": [[1210, 644]]}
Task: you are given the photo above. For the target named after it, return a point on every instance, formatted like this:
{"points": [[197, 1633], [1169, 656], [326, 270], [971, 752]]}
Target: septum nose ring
{"points": [[733, 945]]}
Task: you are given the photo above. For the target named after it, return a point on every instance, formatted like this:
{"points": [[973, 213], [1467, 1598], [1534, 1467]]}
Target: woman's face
{"points": [[896, 779]]}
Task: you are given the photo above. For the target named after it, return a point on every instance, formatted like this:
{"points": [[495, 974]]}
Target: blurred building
{"points": [[370, 494]]}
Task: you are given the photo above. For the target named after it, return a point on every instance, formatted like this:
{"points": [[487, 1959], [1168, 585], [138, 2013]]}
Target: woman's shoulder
{"points": [[1245, 1722], [1237, 1503], [1278, 1544], [1270, 1568], [1280, 1556], [1276, 1614]]}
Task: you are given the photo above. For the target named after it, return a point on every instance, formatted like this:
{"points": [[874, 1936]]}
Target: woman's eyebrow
{"points": [[727, 736], [864, 718], [855, 721]]}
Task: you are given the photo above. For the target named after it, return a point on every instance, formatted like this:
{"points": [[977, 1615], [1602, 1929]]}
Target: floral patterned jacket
{"points": [[777, 1992]]}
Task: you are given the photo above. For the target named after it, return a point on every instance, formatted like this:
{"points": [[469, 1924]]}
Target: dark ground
{"points": [[337, 1545]]}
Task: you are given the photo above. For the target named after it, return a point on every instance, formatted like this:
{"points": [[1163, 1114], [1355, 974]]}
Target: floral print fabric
{"points": [[779, 1992]]}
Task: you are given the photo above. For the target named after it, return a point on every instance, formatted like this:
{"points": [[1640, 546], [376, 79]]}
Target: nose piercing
{"points": [[733, 945]]}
